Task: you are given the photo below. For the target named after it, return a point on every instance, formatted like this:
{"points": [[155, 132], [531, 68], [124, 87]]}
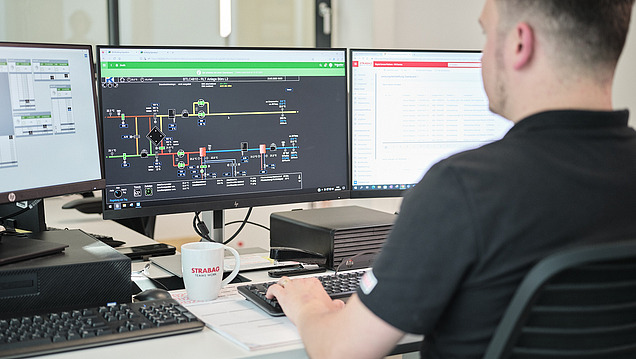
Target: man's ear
{"points": [[524, 45]]}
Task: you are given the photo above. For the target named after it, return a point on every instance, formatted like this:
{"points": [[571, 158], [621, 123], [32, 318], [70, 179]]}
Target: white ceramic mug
{"points": [[202, 267]]}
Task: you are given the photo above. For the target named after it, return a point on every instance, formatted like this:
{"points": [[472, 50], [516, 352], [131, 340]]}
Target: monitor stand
{"points": [[31, 220], [15, 246], [216, 220]]}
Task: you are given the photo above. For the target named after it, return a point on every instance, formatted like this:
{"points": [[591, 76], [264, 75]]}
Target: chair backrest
{"points": [[579, 303]]}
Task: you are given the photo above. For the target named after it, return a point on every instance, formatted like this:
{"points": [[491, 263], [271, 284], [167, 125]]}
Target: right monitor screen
{"points": [[411, 109]]}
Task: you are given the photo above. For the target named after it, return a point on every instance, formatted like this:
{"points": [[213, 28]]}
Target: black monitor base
{"points": [[16, 248]]}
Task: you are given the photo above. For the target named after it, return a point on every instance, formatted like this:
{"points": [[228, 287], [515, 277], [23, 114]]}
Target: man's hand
{"points": [[322, 320], [303, 296]]}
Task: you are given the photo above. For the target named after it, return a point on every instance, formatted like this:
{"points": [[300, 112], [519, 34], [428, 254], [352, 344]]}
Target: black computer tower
{"points": [[87, 273], [350, 234]]}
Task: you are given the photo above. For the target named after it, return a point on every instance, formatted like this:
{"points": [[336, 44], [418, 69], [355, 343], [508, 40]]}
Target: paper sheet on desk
{"points": [[240, 321], [248, 262]]}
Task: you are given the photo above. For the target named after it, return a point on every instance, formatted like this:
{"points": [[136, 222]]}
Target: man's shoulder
{"points": [[491, 153]]}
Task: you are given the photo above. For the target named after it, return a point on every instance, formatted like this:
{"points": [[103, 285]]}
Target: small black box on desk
{"points": [[87, 273], [351, 234]]}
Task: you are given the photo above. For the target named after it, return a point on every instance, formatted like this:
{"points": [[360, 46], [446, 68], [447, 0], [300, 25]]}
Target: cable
{"points": [[19, 212], [9, 233], [249, 222], [200, 228], [247, 216]]}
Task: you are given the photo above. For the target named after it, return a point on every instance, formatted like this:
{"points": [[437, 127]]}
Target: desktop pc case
{"points": [[87, 273], [351, 234]]}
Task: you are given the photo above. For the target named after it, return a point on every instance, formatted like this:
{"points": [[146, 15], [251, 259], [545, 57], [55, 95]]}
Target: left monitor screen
{"points": [[49, 141]]}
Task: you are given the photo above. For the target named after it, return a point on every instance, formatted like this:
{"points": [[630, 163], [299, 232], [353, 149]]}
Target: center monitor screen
{"points": [[190, 129]]}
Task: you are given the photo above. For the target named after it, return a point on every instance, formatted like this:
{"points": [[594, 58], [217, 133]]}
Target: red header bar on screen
{"points": [[454, 65]]}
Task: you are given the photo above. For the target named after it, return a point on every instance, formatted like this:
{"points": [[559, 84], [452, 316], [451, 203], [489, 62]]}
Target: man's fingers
{"points": [[338, 304], [275, 289]]}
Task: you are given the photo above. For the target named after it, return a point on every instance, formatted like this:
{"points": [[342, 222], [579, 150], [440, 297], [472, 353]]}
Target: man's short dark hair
{"points": [[589, 33]]}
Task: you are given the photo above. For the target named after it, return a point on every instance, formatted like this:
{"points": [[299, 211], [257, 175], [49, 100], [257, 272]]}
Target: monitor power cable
{"points": [[202, 230], [249, 222]]}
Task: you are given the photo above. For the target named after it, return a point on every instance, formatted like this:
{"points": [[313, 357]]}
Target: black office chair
{"points": [[579, 303]]}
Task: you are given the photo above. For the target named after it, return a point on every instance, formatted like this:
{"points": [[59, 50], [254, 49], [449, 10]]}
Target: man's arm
{"points": [[330, 329]]}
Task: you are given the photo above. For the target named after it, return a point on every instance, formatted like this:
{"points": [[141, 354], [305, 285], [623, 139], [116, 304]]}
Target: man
{"points": [[564, 175]]}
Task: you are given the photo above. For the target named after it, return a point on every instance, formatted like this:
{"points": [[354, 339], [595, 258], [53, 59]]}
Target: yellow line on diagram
{"points": [[240, 113], [248, 113]]}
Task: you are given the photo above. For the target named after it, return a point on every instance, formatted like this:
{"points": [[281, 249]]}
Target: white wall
{"points": [[273, 23], [428, 24], [3, 24], [67, 21], [169, 22], [625, 80]]}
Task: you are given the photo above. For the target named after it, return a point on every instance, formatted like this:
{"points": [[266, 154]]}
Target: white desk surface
{"points": [[203, 344]]}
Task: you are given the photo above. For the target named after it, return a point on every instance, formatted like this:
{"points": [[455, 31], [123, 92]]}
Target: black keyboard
{"points": [[338, 286], [59, 331]]}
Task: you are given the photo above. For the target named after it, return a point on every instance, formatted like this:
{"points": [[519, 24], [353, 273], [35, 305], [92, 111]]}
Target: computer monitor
{"points": [[190, 129], [49, 142], [410, 109]]}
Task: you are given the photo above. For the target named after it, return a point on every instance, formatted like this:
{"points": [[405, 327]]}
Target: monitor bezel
{"points": [[236, 201], [380, 193], [28, 194]]}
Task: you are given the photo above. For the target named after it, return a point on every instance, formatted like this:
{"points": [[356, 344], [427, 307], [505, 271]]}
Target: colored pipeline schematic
{"points": [[165, 145], [181, 148]]}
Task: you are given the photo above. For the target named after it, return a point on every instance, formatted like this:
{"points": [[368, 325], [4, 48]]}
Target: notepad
{"points": [[240, 321]]}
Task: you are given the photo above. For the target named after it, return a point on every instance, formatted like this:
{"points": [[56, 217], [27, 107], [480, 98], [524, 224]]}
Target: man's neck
{"points": [[582, 95]]}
